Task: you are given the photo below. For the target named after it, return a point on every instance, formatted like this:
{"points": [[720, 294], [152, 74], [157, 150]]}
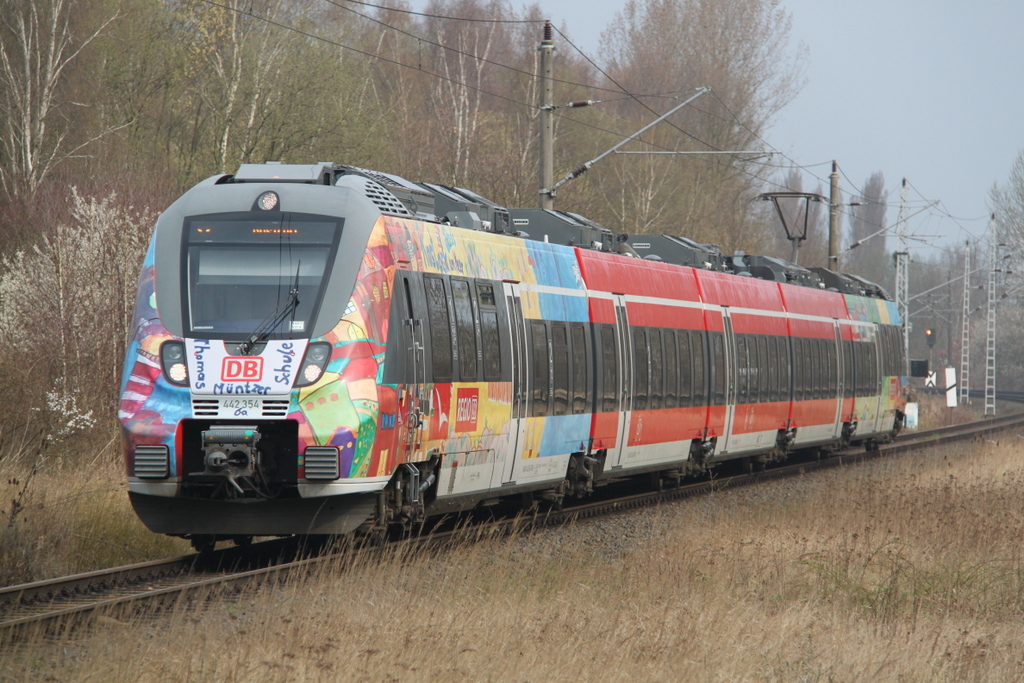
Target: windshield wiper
{"points": [[276, 317]]}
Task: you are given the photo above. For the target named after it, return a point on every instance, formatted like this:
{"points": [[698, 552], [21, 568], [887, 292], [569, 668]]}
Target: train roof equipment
{"points": [[437, 203]]}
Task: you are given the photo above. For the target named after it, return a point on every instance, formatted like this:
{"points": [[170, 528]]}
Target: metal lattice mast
{"points": [[990, 345], [965, 339], [903, 276]]}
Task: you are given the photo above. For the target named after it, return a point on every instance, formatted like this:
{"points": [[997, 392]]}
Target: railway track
{"points": [[60, 603]]}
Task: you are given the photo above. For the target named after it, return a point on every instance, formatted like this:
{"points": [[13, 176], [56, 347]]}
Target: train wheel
{"points": [[242, 541], [203, 543]]}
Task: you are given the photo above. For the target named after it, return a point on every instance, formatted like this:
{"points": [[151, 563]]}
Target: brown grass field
{"points": [[905, 569]]}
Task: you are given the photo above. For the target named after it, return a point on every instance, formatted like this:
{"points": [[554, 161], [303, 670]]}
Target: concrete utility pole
{"points": [[965, 336], [902, 256], [547, 119], [833, 220]]}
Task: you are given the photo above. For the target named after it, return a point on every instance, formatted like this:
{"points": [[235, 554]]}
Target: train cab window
{"points": [[742, 369], [609, 371], [490, 340], [579, 369], [465, 323], [685, 371], [700, 387], [671, 369], [718, 368], [763, 363], [560, 363], [440, 328], [239, 269], [657, 369], [641, 369], [541, 369]]}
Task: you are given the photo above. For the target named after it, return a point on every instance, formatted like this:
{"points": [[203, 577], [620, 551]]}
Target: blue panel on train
{"points": [[554, 265], [558, 307], [564, 434]]}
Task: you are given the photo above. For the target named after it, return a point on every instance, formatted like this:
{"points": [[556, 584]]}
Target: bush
{"points": [[65, 318]]}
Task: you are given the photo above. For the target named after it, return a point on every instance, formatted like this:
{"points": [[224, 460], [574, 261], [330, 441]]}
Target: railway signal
{"points": [[929, 336]]}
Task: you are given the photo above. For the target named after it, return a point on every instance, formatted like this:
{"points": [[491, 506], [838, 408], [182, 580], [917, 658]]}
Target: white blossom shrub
{"points": [[65, 313]]}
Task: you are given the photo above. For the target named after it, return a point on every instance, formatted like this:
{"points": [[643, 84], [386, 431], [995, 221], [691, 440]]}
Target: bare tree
{"points": [[870, 258], [38, 43], [738, 48], [1007, 202]]}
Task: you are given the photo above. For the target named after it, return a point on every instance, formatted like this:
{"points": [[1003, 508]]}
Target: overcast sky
{"points": [[930, 90]]}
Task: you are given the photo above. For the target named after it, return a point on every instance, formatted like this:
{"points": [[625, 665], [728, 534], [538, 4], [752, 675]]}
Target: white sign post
{"points": [[951, 387]]}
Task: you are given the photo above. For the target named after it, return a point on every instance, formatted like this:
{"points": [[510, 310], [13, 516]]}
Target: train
{"points": [[327, 349]]}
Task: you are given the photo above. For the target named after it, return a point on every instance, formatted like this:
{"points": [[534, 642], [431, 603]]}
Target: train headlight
{"points": [[267, 201], [172, 359], [318, 354]]}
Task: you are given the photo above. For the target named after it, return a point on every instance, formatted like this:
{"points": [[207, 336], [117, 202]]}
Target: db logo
{"points": [[244, 369]]}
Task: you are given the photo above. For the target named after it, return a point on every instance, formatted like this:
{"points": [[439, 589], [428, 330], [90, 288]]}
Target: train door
{"points": [[625, 351], [416, 407], [728, 367], [520, 384]]}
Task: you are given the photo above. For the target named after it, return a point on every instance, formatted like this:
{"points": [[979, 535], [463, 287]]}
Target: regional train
{"points": [[323, 349]]}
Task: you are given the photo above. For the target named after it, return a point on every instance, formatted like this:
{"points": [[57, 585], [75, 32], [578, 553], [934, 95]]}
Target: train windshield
{"points": [[241, 271]]}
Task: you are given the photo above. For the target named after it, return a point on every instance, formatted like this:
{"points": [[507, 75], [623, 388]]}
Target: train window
{"points": [[864, 367], [833, 366], [773, 368], [466, 325], [763, 363], [609, 371], [826, 369], [541, 368], [579, 369], [641, 369], [848, 378], [440, 328], [817, 363], [685, 371], [807, 360], [798, 369], [894, 335], [560, 363], [893, 354], [782, 360], [671, 369], [700, 387], [491, 345], [874, 379], [657, 369], [718, 368], [485, 294], [742, 369]]}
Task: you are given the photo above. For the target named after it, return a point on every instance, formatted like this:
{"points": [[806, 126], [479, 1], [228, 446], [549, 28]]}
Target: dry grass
{"points": [[907, 570], [67, 516]]}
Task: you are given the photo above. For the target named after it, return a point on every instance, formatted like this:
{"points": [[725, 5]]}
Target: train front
{"points": [[241, 291]]}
